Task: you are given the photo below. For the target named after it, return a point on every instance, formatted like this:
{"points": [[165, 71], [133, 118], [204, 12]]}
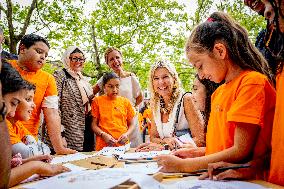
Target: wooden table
{"points": [[111, 162]]}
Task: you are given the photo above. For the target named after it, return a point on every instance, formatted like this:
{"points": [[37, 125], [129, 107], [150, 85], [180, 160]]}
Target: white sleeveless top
{"points": [[166, 130]]}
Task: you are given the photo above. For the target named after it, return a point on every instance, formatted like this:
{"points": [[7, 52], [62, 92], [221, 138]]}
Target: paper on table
{"points": [[143, 155], [70, 157], [202, 184], [73, 167], [82, 179], [144, 181], [145, 168], [185, 139], [109, 151]]}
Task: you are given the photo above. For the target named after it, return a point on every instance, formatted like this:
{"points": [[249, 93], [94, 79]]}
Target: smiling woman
{"points": [[173, 111], [75, 95]]}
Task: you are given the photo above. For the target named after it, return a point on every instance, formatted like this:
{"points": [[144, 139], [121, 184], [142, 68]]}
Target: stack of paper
{"points": [[109, 151], [70, 157], [142, 155]]}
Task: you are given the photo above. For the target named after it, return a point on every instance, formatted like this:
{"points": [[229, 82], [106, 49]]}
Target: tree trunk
{"points": [[96, 55]]}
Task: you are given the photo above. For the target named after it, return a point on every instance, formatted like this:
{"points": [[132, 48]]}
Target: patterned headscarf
{"points": [[83, 85]]}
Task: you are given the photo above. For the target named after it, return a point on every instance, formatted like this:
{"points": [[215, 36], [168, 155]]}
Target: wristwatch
{"points": [[3, 112]]}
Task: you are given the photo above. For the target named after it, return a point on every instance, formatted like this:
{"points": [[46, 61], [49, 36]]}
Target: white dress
{"points": [[166, 130], [130, 89]]}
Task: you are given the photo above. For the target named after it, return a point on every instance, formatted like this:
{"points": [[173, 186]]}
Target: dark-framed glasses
{"points": [[75, 59]]}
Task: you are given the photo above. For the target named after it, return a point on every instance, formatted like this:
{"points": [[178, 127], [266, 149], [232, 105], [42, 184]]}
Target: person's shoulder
{"points": [[253, 77], [59, 73]]}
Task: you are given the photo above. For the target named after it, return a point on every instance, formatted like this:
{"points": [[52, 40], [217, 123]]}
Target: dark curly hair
{"points": [[30, 39]]}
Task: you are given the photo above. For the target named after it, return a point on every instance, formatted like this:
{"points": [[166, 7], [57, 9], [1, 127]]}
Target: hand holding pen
{"points": [[224, 170]]}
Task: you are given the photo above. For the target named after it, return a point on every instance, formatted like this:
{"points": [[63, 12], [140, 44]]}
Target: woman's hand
{"points": [[172, 142], [108, 139], [45, 169], [146, 147], [123, 138], [189, 152], [240, 174], [170, 163]]}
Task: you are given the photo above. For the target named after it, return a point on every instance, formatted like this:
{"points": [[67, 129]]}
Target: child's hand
{"points": [[109, 139], [170, 163], [123, 138], [46, 158], [45, 169], [190, 152], [240, 174]]}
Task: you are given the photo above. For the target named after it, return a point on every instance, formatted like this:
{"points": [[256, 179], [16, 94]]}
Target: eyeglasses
{"points": [[75, 59]]}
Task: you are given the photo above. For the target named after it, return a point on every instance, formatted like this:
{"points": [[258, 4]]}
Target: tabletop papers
{"points": [[143, 155], [69, 157], [109, 151]]}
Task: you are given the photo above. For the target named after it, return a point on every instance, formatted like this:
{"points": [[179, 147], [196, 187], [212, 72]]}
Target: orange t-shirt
{"points": [[147, 114], [17, 132], [140, 121], [249, 98], [45, 86], [277, 161], [113, 115]]}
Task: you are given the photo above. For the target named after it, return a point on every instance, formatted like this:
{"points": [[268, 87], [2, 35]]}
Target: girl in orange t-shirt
{"points": [[242, 109], [113, 115]]}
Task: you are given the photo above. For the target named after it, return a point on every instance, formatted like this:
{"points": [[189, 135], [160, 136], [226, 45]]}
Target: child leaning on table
{"points": [[21, 139], [113, 115], [14, 92]]}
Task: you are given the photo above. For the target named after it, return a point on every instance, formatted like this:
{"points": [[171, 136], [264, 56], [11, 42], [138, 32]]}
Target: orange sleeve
{"points": [[249, 104], [17, 132], [277, 160], [14, 138], [51, 88], [95, 108]]}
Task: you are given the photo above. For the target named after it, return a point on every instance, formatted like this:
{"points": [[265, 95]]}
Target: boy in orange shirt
{"points": [[33, 51], [113, 115], [242, 108], [21, 139]]}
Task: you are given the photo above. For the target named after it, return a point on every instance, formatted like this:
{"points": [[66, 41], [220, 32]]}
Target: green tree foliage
{"points": [[144, 30], [57, 20]]}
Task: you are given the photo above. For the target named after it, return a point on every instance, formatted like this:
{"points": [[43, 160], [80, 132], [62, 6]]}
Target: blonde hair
{"points": [[109, 50], [177, 88]]}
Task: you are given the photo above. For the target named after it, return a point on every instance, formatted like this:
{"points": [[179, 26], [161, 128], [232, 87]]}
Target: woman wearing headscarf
{"points": [[75, 94]]}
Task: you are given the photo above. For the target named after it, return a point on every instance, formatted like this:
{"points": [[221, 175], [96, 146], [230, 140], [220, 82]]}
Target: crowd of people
{"points": [[233, 116]]}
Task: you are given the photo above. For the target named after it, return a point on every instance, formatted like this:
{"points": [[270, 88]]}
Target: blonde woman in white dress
{"points": [[166, 95]]}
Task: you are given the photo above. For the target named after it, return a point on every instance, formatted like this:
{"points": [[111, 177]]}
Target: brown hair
{"points": [[221, 27]]}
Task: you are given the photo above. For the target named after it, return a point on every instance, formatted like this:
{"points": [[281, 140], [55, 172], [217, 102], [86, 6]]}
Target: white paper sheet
{"points": [[202, 184], [70, 157], [143, 155], [144, 168], [185, 139], [109, 151], [73, 167], [82, 179]]}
